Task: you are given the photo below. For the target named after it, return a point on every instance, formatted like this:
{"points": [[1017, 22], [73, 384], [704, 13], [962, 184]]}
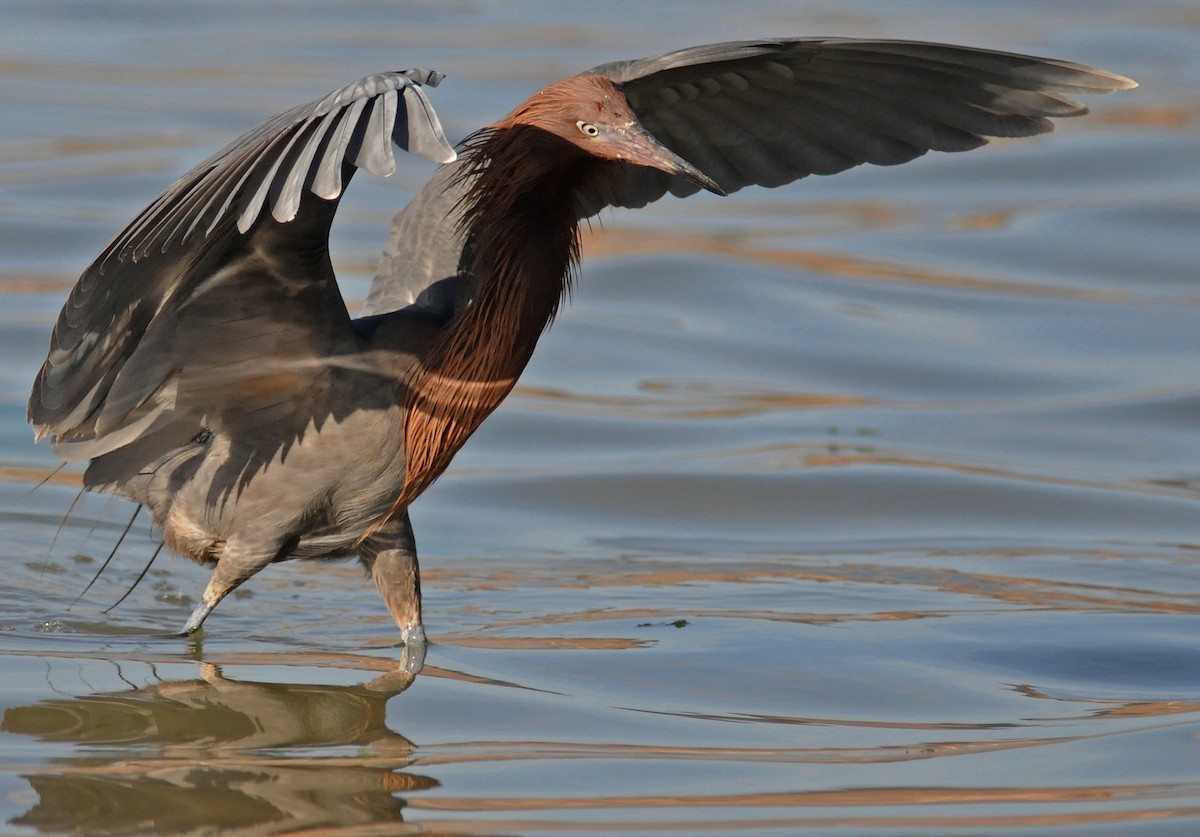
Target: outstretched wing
{"points": [[218, 293], [769, 112]]}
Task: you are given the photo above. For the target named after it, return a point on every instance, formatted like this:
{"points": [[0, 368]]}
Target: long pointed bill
{"points": [[641, 148]]}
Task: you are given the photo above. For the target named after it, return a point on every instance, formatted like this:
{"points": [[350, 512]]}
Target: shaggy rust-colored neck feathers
{"points": [[520, 216]]}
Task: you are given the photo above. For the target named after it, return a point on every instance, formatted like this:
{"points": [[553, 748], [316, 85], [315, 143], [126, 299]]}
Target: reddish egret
{"points": [[207, 366]]}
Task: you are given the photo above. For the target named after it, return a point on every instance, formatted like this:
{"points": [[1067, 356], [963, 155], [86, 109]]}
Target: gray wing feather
{"points": [[304, 147], [422, 264], [224, 280], [769, 112]]}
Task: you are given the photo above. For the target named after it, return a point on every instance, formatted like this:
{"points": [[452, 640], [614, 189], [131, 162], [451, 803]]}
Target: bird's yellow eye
{"points": [[587, 129]]}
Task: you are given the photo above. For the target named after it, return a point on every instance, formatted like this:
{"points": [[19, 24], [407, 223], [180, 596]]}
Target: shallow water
{"points": [[867, 505]]}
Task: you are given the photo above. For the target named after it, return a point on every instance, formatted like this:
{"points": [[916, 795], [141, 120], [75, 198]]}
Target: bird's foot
{"points": [[412, 659], [196, 619]]}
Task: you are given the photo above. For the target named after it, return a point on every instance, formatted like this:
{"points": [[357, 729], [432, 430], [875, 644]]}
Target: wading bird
{"points": [[207, 366]]}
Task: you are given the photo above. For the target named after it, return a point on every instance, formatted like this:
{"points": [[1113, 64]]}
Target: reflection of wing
{"points": [[769, 112], [206, 302], [232, 719]]}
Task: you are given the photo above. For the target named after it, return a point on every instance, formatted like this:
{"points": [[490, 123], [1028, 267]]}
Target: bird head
{"points": [[593, 115]]}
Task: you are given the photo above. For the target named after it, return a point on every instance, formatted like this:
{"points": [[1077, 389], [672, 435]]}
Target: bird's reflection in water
{"points": [[220, 755]]}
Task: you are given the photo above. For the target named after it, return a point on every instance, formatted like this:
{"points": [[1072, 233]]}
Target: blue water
{"points": [[865, 506]]}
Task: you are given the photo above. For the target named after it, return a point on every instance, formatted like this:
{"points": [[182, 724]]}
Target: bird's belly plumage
{"points": [[315, 497]]}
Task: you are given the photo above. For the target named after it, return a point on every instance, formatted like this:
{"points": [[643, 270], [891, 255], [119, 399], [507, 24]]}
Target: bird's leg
{"points": [[238, 563], [390, 555]]}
